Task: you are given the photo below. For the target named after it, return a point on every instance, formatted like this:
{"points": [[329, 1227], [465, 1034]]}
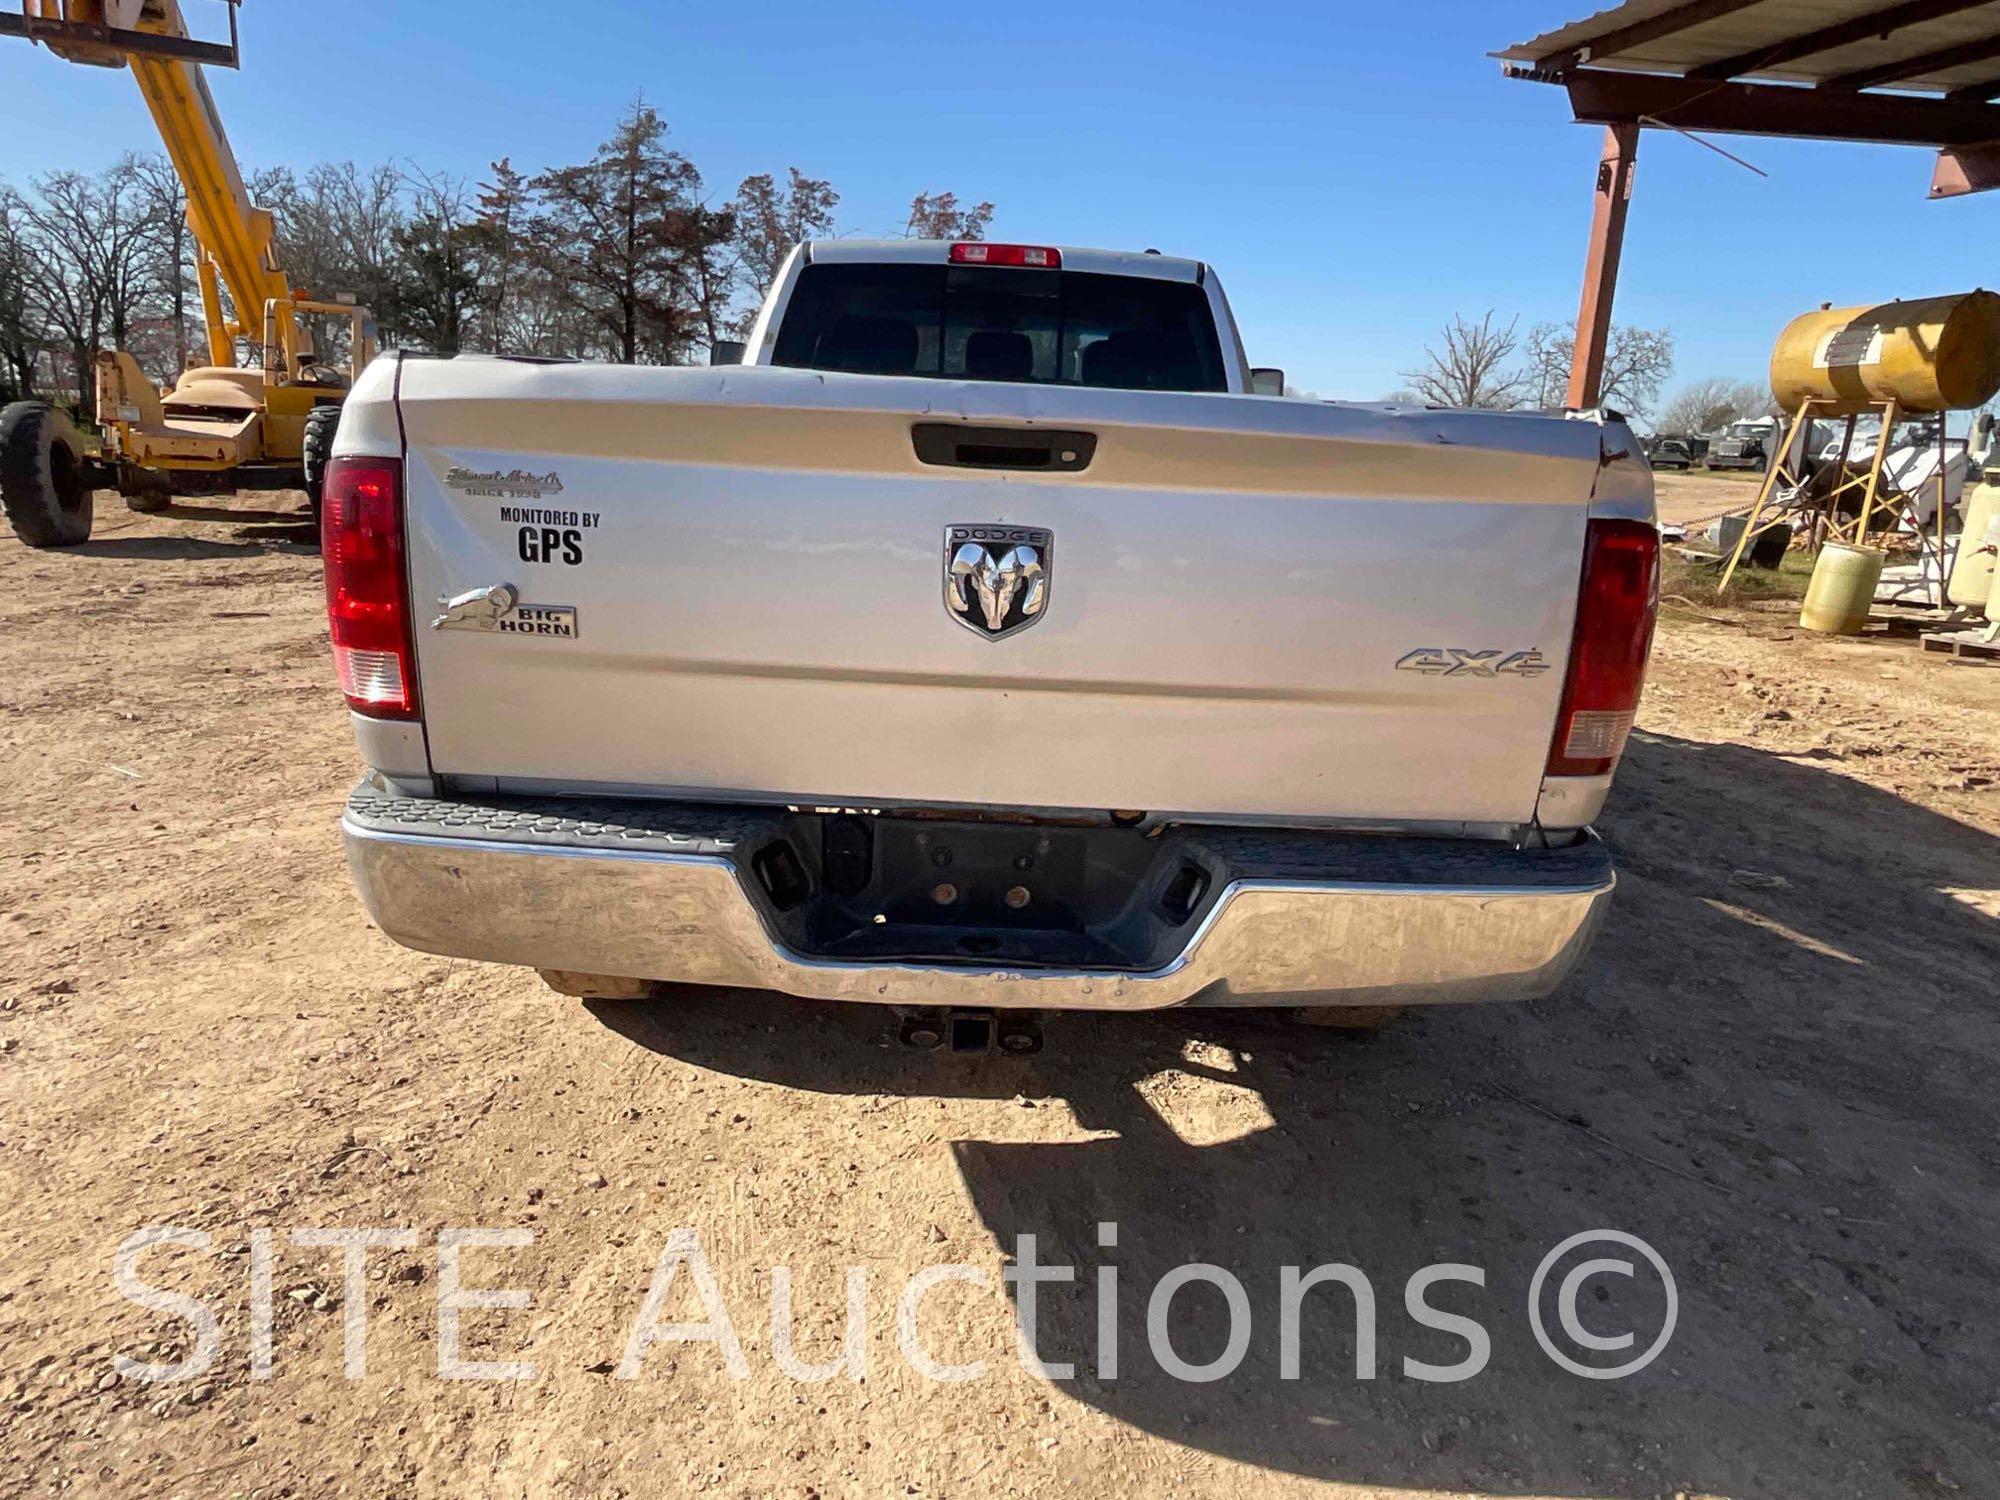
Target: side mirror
{"points": [[727, 352], [1265, 381]]}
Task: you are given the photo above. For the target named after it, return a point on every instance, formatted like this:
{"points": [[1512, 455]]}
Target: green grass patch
{"points": [[1689, 585]]}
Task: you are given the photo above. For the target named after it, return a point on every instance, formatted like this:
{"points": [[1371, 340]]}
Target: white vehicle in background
{"points": [[1860, 451], [983, 641], [1911, 464], [1913, 468]]}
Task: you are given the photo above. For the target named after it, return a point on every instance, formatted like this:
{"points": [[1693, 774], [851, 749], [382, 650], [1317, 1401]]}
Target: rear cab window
{"points": [[1002, 323]]}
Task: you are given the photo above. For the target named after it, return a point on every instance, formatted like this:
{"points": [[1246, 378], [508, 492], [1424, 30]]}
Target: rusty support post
{"points": [[1778, 473], [1600, 272], [1889, 410]]}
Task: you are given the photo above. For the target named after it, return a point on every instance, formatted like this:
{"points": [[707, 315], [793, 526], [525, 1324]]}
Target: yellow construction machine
{"points": [[226, 423]]}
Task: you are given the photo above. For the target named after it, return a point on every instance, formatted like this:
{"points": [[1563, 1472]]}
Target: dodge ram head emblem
{"points": [[475, 609], [996, 577]]}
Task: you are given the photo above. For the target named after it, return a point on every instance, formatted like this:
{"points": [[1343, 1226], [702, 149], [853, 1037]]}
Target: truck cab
{"points": [[1095, 318]]}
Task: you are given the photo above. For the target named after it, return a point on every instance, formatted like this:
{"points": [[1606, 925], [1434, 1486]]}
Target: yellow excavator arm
{"points": [[218, 421], [235, 236], [220, 425]]}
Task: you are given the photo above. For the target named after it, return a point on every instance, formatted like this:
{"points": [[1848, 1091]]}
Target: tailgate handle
{"points": [[1048, 449]]}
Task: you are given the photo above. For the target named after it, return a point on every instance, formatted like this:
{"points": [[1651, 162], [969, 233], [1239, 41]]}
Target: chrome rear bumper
{"points": [[662, 892]]}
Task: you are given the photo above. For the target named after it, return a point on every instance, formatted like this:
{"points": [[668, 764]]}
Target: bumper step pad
{"points": [[684, 891]]}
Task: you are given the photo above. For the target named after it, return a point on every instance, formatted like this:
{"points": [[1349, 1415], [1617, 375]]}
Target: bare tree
{"points": [[437, 270], [713, 270], [125, 239], [88, 267], [1550, 353], [336, 235], [164, 199], [364, 211], [24, 333], [937, 216], [312, 243], [1712, 404], [771, 219], [91, 262], [544, 318], [504, 205], [618, 257], [1637, 362], [1470, 369]]}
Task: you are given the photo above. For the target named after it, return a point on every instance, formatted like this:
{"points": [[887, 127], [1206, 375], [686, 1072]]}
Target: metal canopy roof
{"points": [[1949, 47], [1910, 73], [1899, 72]]}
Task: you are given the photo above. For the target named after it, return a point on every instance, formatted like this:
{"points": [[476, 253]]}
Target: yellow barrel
{"points": [[1842, 589], [1971, 583], [1934, 354]]}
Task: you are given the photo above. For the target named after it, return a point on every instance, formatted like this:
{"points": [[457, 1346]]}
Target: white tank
{"points": [[1972, 571]]}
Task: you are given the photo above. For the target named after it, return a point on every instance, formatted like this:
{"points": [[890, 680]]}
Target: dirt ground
{"points": [[1693, 495], [1777, 1068]]}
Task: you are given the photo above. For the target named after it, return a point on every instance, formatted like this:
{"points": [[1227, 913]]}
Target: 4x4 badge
{"points": [[1463, 661]]}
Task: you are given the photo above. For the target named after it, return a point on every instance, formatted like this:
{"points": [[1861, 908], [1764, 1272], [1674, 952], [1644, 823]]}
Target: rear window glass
{"points": [[1002, 323]]}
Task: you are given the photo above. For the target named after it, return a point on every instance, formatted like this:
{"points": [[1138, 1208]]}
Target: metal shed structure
{"points": [[1914, 73]]}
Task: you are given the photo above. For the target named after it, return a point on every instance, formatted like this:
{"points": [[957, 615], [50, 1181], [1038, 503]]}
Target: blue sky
{"points": [[1356, 173]]}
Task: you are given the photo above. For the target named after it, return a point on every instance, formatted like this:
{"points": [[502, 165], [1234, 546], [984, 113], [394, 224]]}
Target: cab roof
{"points": [[1074, 257]]}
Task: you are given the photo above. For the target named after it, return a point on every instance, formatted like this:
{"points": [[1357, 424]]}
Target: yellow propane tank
{"points": [[1935, 354], [1971, 583], [1842, 589]]}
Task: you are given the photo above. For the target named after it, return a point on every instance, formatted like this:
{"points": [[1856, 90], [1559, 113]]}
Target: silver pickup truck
{"points": [[983, 640]]}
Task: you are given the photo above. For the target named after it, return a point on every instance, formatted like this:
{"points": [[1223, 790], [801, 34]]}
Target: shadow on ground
{"points": [[1775, 1069], [227, 531]]}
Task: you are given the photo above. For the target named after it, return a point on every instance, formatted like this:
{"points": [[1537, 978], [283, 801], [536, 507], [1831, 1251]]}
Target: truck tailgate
{"points": [[733, 583]]}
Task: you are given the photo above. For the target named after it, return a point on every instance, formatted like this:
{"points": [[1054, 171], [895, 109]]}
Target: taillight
{"points": [[1615, 606], [367, 591], [980, 253]]}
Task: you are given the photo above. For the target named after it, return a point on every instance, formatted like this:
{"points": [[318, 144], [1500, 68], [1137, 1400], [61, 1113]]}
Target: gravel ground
{"points": [[1776, 1069]]}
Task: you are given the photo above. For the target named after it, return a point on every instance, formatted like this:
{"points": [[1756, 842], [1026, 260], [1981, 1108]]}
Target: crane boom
{"points": [[236, 238], [270, 422]]}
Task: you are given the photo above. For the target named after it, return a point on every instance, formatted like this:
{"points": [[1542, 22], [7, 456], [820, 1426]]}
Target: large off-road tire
{"points": [[145, 490], [44, 478], [315, 449]]}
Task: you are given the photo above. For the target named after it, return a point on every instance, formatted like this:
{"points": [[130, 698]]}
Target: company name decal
{"points": [[507, 484]]}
